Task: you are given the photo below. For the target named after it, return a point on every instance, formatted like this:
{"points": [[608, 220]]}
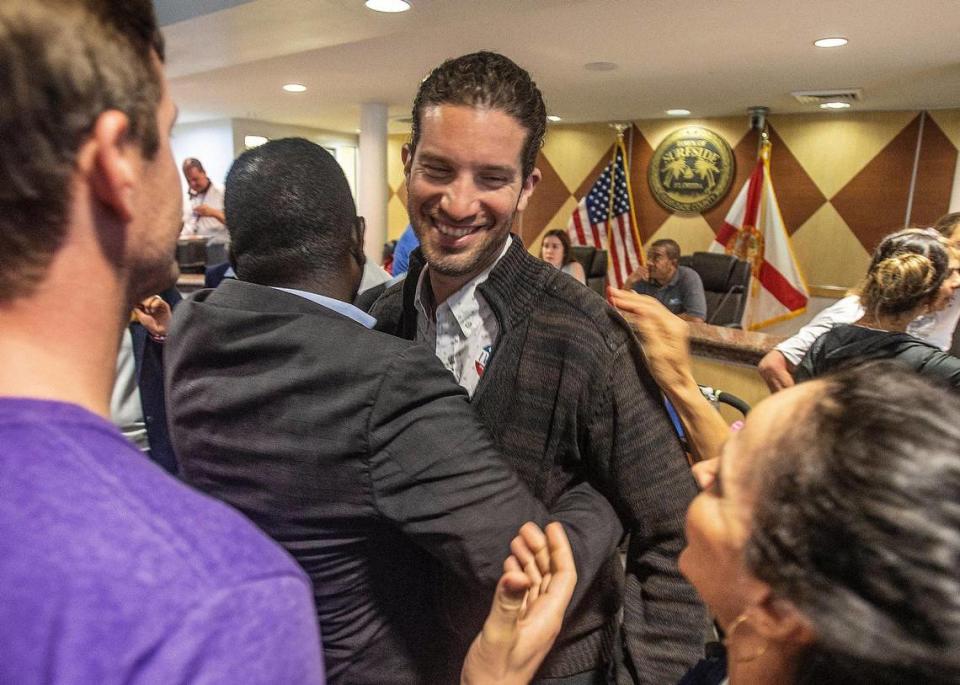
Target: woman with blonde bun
{"points": [[913, 272]]}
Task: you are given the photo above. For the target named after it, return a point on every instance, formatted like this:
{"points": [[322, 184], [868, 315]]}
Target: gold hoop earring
{"points": [[737, 622]]}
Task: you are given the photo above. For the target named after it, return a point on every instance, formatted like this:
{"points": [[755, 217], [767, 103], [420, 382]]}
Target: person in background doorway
{"points": [[203, 215]]}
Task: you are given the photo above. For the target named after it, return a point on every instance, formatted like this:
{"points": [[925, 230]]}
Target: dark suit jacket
{"points": [[214, 274], [314, 427]]}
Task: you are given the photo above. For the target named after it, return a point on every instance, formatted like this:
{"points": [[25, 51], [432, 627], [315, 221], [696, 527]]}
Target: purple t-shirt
{"points": [[111, 571]]}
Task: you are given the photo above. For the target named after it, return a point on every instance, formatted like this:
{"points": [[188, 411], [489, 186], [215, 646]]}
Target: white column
{"points": [[372, 188]]}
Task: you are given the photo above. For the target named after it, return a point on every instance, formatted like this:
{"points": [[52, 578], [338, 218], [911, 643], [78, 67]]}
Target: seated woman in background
{"points": [[912, 273], [825, 539], [555, 250]]}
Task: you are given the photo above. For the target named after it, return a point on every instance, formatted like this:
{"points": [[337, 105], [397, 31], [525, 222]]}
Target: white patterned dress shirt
{"points": [[462, 330]]}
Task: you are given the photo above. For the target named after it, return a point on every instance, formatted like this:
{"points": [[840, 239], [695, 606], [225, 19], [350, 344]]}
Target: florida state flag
{"points": [[754, 231]]}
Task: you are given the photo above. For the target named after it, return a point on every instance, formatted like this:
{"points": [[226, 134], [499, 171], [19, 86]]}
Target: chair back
{"points": [[726, 281], [594, 263]]}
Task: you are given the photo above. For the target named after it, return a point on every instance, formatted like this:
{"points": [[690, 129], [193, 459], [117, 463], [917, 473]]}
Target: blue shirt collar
{"points": [[339, 306]]}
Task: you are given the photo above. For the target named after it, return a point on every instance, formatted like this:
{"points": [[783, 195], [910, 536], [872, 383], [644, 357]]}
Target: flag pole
{"points": [[634, 225], [620, 128]]}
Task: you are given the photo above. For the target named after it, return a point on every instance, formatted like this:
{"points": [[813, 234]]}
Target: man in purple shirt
{"points": [[110, 570]]}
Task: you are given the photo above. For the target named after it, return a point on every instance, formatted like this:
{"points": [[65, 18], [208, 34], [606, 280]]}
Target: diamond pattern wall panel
{"points": [[834, 147], [692, 233], [874, 202], [551, 194], [650, 215], [574, 150], [602, 161], [828, 251], [935, 173], [948, 120], [842, 181], [797, 194]]}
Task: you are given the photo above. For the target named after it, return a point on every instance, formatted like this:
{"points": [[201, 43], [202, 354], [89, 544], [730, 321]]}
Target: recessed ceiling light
{"points": [[553, 118], [390, 6], [834, 105], [294, 87], [599, 66], [678, 112], [836, 42], [254, 141]]}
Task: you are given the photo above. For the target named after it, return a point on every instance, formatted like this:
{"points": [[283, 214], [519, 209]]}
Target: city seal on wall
{"points": [[691, 170]]}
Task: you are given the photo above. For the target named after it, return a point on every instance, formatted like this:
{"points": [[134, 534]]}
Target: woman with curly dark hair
{"points": [[827, 540]]}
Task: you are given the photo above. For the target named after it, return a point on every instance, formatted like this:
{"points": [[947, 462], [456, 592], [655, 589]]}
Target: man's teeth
{"points": [[455, 231]]}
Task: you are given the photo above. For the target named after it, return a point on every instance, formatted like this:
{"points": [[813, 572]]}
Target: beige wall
{"points": [[843, 181]]}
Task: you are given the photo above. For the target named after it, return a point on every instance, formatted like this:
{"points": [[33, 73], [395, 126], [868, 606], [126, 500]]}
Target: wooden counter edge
{"points": [[726, 344]]}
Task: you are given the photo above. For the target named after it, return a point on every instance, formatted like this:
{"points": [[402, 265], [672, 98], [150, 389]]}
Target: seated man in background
{"points": [[778, 365], [285, 405], [678, 288], [111, 571]]}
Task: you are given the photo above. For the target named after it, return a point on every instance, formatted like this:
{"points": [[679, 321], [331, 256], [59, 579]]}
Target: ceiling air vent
{"points": [[817, 97]]}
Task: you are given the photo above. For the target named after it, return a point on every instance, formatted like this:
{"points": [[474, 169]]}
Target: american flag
{"points": [[593, 222]]}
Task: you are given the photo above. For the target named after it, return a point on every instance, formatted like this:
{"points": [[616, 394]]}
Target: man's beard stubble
{"points": [[448, 265]]}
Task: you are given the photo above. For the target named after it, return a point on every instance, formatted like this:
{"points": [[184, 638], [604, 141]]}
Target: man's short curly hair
{"points": [[490, 80]]}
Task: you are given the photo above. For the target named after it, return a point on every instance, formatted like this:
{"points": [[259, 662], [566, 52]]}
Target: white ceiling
{"points": [[713, 57]]}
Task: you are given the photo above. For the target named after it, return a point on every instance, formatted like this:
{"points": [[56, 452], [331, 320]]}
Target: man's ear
{"points": [[529, 183], [406, 156], [779, 620], [356, 245], [108, 164]]}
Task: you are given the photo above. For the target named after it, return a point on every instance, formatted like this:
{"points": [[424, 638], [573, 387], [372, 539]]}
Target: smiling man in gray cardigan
{"points": [[553, 371]]}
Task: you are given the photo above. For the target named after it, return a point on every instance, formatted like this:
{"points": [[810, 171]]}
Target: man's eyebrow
{"points": [[427, 157], [501, 169], [506, 169]]}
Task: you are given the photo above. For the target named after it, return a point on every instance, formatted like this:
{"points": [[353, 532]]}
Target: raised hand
{"points": [[527, 612]]}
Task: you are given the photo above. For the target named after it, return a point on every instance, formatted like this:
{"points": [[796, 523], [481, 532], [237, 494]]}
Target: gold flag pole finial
{"points": [[619, 127], [758, 122]]}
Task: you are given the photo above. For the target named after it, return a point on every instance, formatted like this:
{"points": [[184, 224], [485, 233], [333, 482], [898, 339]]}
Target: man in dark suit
{"points": [[380, 482]]}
